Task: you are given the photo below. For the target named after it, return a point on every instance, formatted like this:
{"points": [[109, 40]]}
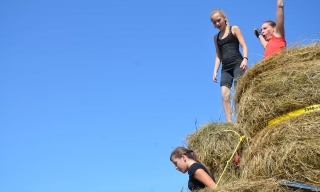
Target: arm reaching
{"points": [[279, 32]]}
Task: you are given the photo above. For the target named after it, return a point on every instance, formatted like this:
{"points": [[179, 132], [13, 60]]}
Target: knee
{"points": [[225, 96]]}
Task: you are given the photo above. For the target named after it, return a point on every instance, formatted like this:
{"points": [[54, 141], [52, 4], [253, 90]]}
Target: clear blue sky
{"points": [[96, 94]]}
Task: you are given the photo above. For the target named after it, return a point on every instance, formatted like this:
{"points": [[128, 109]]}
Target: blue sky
{"points": [[96, 94]]}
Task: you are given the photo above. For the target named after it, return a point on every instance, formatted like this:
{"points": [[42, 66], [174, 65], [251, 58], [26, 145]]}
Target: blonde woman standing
{"points": [[227, 43]]}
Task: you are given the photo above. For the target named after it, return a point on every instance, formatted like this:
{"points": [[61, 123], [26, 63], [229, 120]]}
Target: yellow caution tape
{"points": [[312, 108]]}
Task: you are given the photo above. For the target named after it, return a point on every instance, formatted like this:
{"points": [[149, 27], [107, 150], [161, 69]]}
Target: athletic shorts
{"points": [[230, 75]]}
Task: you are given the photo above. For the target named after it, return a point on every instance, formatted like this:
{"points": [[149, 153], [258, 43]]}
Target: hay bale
{"points": [[289, 55], [269, 185], [286, 82], [288, 150], [214, 147]]}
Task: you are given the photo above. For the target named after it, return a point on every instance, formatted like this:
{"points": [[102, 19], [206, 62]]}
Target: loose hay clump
{"points": [[214, 147], [288, 150], [278, 85], [269, 185]]}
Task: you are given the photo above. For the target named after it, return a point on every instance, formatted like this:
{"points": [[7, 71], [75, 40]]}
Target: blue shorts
{"points": [[230, 75]]}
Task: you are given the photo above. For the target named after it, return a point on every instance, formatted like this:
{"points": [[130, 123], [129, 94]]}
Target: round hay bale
{"points": [[286, 82], [288, 150], [289, 55], [269, 185], [214, 147]]}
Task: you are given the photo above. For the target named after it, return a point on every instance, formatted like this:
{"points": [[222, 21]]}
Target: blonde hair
{"points": [[222, 14]]}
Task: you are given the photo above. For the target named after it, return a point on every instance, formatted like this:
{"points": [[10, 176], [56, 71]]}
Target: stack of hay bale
{"points": [[270, 92], [278, 110]]}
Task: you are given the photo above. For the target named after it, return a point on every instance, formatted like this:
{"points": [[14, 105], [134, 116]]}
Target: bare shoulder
{"points": [[235, 30], [235, 27]]}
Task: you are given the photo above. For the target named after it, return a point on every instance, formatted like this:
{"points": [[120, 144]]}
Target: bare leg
{"points": [[226, 103]]}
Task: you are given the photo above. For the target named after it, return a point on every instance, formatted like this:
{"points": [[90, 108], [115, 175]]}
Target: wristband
{"points": [[246, 58]]}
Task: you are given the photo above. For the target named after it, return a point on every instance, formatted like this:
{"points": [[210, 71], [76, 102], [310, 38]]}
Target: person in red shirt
{"points": [[272, 36]]}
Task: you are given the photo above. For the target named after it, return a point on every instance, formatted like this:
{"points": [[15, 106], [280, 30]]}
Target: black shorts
{"points": [[230, 75]]}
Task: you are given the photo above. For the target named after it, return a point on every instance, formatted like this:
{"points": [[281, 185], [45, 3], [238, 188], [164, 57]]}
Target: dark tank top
{"points": [[229, 51], [193, 183]]}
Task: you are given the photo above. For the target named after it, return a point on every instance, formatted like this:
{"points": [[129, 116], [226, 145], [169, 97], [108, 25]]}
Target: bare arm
{"points": [[263, 41], [260, 37], [237, 32], [217, 60], [204, 178], [279, 32]]}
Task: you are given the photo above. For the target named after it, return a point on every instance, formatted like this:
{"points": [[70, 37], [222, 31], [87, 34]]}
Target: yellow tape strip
{"points": [[312, 108]]}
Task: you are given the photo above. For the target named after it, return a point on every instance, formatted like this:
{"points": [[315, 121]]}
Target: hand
{"points": [[244, 64], [257, 32], [215, 79], [280, 3]]}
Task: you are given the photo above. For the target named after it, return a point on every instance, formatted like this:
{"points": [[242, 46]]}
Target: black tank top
{"points": [[229, 50], [194, 184]]}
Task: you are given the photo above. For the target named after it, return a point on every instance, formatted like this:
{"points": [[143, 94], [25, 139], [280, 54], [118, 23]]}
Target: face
{"points": [[267, 31], [218, 21], [180, 164]]}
